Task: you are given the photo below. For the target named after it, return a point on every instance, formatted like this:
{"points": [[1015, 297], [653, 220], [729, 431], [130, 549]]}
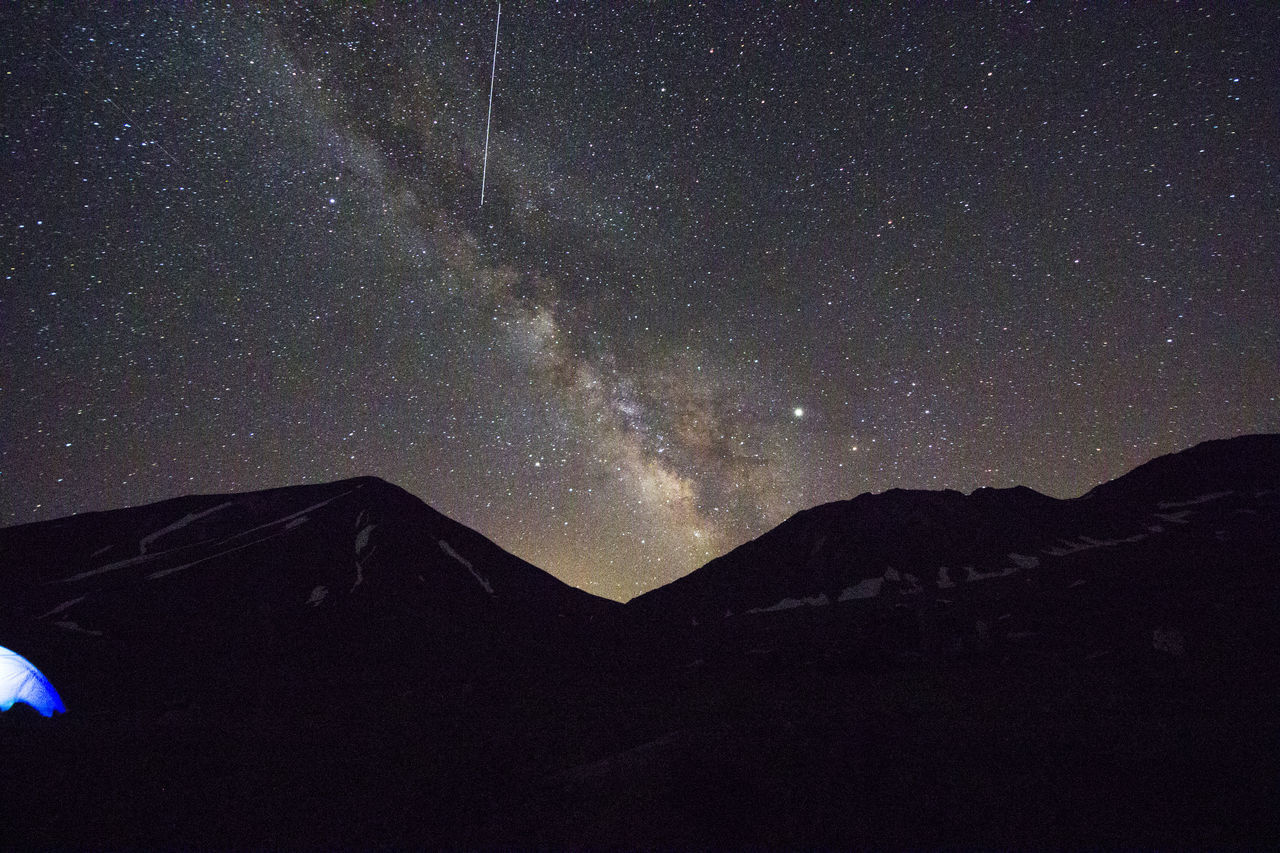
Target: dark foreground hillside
{"points": [[907, 669]]}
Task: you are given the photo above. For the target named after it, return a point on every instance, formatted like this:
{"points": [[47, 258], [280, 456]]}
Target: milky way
{"points": [[732, 262]]}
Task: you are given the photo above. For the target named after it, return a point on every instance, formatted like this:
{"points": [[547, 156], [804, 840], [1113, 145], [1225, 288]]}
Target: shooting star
{"points": [[484, 173]]}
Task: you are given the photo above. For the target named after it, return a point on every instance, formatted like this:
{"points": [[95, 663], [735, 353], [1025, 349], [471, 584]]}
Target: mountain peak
{"points": [[322, 546], [842, 551]]}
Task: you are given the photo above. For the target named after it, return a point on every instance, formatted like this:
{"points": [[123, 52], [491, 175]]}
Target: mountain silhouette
{"points": [[1136, 544], [340, 664]]}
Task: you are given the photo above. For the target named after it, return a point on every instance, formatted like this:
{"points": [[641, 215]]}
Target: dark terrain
{"points": [[340, 665]]}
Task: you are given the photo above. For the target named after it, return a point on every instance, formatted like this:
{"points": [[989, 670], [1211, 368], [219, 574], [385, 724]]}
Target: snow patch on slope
{"points": [[68, 625], [1087, 543], [1068, 546], [164, 572], [61, 607], [362, 538], [143, 558], [1179, 517], [868, 588], [792, 603], [1202, 499], [480, 579], [146, 541], [972, 574], [364, 553]]}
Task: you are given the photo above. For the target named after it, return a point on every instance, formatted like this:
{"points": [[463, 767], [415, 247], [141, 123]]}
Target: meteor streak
{"points": [[484, 173]]}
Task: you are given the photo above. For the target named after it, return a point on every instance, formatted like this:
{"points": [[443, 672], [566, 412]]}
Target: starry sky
{"points": [[734, 259]]}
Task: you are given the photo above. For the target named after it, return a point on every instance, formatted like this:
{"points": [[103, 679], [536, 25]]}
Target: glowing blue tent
{"points": [[22, 682]]}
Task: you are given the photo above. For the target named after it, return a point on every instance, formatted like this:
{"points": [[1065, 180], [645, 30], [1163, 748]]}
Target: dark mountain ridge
{"points": [[359, 524], [848, 551], [357, 565], [339, 664]]}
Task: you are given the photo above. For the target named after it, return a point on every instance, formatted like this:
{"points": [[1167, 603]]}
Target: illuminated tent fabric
{"points": [[22, 682]]}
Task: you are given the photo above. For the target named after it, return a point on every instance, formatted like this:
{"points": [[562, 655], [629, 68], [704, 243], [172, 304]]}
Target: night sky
{"points": [[734, 259]]}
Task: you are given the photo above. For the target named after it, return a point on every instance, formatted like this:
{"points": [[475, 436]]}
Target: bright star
{"points": [[798, 412]]}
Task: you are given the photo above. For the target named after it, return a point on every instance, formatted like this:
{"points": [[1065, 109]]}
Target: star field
{"points": [[733, 260]]}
